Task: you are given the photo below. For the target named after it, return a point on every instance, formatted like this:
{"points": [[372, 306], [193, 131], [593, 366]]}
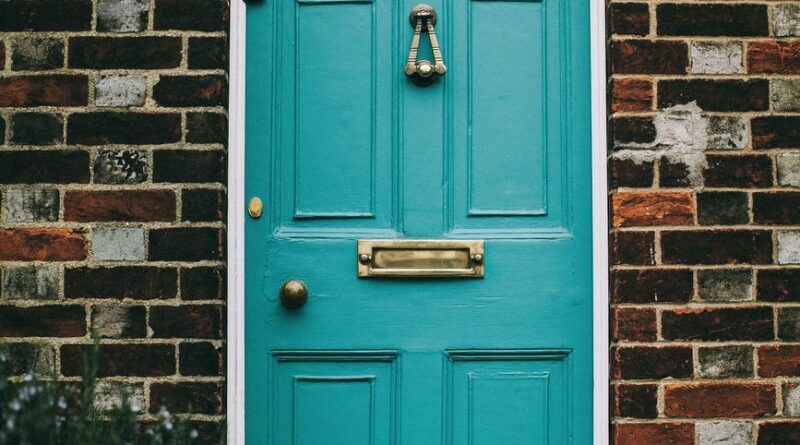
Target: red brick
{"points": [[738, 171], [194, 321], [629, 18], [42, 321], [718, 324], [649, 57], [187, 397], [633, 324], [648, 363], [40, 91], [136, 360], [773, 57], [119, 205], [651, 286], [631, 95], [28, 244], [654, 434], [779, 361], [719, 400], [190, 91], [652, 209], [776, 132], [636, 401]]}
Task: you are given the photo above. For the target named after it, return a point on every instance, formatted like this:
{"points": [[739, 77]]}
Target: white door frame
{"points": [[236, 214]]}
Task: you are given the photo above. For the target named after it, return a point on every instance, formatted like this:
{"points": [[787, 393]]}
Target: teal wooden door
{"points": [[341, 147]]}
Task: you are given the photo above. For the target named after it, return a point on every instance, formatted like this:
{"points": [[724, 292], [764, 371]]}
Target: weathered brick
{"points": [[647, 363], [636, 401], [717, 247], [187, 397], [726, 284], [785, 94], [56, 90], [673, 174], [722, 208], [629, 18], [119, 321], [208, 53], [791, 400], [715, 95], [119, 205], [776, 132], [29, 357], [120, 167], [738, 171], [654, 434], [136, 360], [631, 94], [108, 395], [42, 321], [778, 285], [189, 166], [686, 19], [776, 208], [652, 209], [726, 362], [717, 58], [123, 128], [725, 432], [778, 433], [637, 130], [37, 129], [727, 133], [30, 205], [190, 91], [45, 15], [788, 244], [633, 324], [773, 57], [118, 244], [779, 361], [789, 324], [203, 205], [120, 91], [198, 15], [651, 286], [122, 15], [203, 283], [139, 283], [37, 53], [718, 324], [124, 52], [30, 282], [629, 173], [719, 400], [206, 128], [649, 57], [201, 359], [190, 321], [49, 167], [42, 245], [789, 169], [633, 248], [786, 19]]}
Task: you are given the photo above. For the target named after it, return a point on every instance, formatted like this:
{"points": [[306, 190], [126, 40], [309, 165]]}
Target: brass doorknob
{"points": [[294, 294]]}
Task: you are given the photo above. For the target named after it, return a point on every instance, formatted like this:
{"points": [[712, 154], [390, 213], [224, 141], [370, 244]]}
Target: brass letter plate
{"points": [[420, 258]]}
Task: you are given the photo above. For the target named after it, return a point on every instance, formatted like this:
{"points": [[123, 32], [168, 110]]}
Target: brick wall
{"points": [[705, 170], [112, 169]]}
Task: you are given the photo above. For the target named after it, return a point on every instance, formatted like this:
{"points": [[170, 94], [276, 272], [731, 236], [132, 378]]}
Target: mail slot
{"points": [[420, 258]]}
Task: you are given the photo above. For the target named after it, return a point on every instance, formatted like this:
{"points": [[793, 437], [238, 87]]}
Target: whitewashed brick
{"points": [[112, 244], [717, 58], [120, 91], [789, 247]]}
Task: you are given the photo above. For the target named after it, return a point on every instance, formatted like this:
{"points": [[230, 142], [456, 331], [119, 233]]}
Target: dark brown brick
{"points": [[649, 57], [776, 208], [631, 94], [672, 174], [629, 18], [206, 128], [36, 128], [776, 132], [27, 244], [119, 205], [715, 95], [628, 173], [647, 363], [2, 55], [186, 244], [198, 15], [652, 209], [779, 433], [653, 434], [712, 20], [203, 283], [45, 15], [738, 171], [718, 324], [633, 248], [717, 247], [773, 57], [719, 400], [48, 167], [638, 130], [722, 208], [139, 283], [201, 359], [633, 324], [191, 321], [43, 321], [119, 321], [137, 360], [124, 52], [636, 401], [203, 205], [187, 397], [37, 53], [208, 53], [779, 361], [190, 91], [123, 128], [779, 285], [189, 166], [652, 286], [55, 90], [30, 357]]}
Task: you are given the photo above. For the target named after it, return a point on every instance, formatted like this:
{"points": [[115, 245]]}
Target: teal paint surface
{"points": [[341, 146]]}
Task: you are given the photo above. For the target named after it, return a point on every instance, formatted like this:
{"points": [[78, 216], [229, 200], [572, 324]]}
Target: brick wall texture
{"points": [[112, 194], [704, 105]]}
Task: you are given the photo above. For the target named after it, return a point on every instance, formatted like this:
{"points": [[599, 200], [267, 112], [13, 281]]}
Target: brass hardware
{"points": [[294, 294], [420, 258], [423, 72], [255, 208]]}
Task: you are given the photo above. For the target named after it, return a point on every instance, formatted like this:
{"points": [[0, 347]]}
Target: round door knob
{"points": [[294, 294]]}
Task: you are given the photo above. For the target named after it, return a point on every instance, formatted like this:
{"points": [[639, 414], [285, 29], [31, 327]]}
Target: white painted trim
{"points": [[236, 199]]}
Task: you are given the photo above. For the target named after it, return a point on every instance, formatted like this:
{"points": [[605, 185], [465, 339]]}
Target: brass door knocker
{"points": [[423, 72]]}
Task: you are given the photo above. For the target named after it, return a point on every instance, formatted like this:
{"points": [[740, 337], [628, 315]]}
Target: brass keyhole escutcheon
{"points": [[424, 72], [294, 294], [255, 208]]}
